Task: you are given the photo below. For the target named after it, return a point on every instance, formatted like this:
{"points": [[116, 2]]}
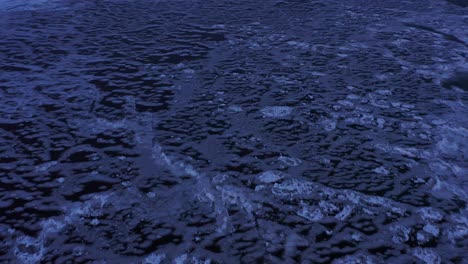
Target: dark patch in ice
{"points": [[462, 3], [459, 79]]}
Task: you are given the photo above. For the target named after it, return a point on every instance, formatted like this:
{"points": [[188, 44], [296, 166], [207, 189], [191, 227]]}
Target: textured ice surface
{"points": [[29, 5], [233, 131]]}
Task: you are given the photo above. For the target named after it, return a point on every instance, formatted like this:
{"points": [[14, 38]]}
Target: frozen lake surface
{"points": [[216, 131]]}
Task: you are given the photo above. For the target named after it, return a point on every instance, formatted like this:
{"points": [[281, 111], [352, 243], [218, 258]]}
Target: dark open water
{"points": [[216, 131]]}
